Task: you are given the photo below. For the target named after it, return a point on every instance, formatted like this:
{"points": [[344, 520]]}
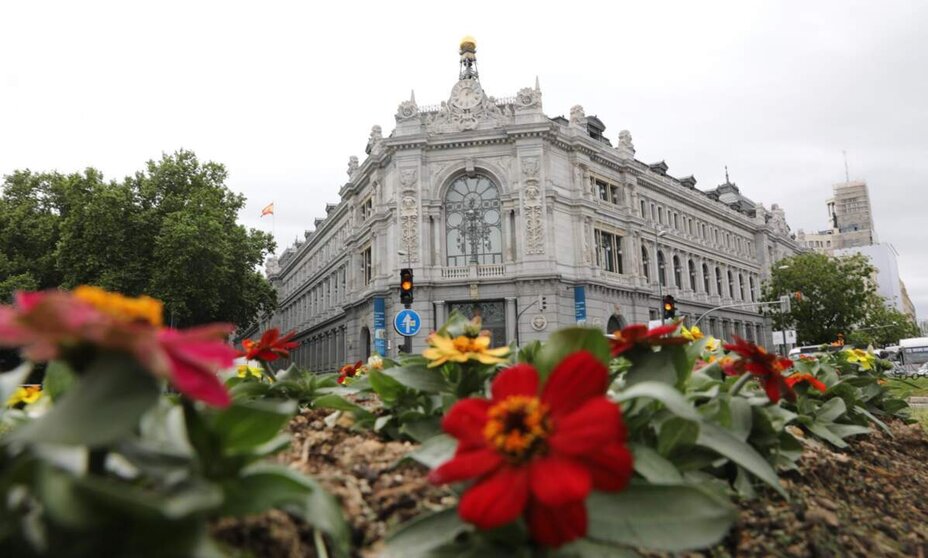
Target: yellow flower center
{"points": [[518, 426], [140, 309]]}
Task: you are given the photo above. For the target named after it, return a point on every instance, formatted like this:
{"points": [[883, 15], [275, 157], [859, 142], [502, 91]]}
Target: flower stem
{"points": [[268, 373], [735, 389]]}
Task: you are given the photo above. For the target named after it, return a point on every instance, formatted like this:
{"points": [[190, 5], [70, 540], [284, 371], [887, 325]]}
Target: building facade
{"points": [[534, 223]]}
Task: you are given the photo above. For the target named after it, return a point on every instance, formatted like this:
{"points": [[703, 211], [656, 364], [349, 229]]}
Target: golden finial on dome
{"points": [[468, 44]]}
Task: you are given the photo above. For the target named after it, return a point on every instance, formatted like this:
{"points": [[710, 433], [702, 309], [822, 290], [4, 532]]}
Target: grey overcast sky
{"points": [[283, 92]]}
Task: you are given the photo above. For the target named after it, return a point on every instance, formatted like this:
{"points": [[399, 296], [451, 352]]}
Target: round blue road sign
{"points": [[407, 322]]}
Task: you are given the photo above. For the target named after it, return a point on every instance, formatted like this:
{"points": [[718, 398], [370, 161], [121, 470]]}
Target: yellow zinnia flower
{"points": [[143, 308], [244, 371], [861, 357], [25, 394], [693, 333], [461, 349]]}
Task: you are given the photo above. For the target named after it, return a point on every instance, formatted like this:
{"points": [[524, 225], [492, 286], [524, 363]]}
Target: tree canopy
{"points": [[169, 231], [837, 296]]}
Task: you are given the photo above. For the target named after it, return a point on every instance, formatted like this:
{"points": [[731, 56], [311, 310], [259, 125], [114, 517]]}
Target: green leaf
{"points": [[419, 378], [725, 443], [423, 429], [741, 417], [570, 340], [424, 534], [102, 407], [676, 434], [831, 410], [586, 548], [58, 379], [653, 467], [435, 451], [651, 366], [244, 425], [666, 394], [386, 387], [671, 518], [339, 403], [822, 431]]}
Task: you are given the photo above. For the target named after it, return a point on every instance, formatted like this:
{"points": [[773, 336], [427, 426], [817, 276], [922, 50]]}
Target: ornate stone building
{"points": [[535, 222]]}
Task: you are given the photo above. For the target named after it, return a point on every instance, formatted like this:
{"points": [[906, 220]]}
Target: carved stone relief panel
{"points": [[532, 207]]}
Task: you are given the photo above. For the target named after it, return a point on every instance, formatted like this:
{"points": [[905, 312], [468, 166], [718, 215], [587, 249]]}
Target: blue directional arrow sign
{"points": [[407, 322]]}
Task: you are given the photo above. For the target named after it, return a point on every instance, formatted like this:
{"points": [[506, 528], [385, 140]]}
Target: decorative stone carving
{"points": [[352, 166], [577, 117], [625, 141], [527, 98], [407, 109], [588, 240], [409, 215], [374, 144], [466, 109], [408, 179], [532, 208]]}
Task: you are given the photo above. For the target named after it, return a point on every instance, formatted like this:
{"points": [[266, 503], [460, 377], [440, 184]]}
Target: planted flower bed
{"points": [[656, 441]]}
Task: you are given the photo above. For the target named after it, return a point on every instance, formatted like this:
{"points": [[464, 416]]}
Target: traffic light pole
{"points": [[407, 340], [738, 305]]}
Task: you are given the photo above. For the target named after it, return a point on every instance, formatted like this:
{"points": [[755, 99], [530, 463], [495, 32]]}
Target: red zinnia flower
{"points": [[349, 371], [270, 347], [538, 454], [767, 367], [639, 334], [791, 381]]}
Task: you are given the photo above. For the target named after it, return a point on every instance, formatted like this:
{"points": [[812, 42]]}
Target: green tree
{"points": [[883, 326], [837, 295], [169, 231], [30, 207]]}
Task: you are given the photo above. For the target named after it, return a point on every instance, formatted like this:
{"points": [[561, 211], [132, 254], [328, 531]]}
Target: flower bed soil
{"points": [[871, 500]]}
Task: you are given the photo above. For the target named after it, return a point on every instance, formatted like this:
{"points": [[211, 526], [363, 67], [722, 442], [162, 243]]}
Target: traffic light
{"points": [[670, 307], [406, 286]]}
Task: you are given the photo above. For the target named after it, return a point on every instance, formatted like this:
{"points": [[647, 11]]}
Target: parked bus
{"points": [[913, 357]]}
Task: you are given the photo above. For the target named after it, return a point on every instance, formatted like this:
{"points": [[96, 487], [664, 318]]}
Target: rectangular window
{"points": [[603, 190], [609, 251], [644, 210], [660, 215], [366, 267]]}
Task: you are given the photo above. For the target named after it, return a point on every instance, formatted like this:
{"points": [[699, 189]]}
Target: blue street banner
{"points": [[580, 305], [380, 327], [407, 322]]}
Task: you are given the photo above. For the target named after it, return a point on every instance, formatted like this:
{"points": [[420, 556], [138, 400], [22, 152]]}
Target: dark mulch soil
{"points": [[871, 500]]}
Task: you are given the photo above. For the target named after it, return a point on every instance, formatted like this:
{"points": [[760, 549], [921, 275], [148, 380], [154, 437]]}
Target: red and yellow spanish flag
{"points": [[268, 209]]}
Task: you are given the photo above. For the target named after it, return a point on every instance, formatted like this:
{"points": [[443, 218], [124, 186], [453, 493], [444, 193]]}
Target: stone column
{"points": [[511, 324], [440, 313]]}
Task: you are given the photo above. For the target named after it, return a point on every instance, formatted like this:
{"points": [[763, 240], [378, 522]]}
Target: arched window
{"points": [[645, 264], [751, 285], [677, 272], [472, 222], [692, 267], [718, 281], [731, 285], [705, 278], [661, 277]]}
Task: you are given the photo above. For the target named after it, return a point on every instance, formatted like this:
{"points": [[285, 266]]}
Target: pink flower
{"points": [[49, 325]]}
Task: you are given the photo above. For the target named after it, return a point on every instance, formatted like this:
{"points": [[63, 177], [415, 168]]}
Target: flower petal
{"points": [[521, 379], [198, 383], [497, 500], [554, 526], [556, 480], [465, 421], [595, 424], [611, 467], [465, 465], [579, 377]]}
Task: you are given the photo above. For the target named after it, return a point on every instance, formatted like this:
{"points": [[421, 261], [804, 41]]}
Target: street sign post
{"points": [[407, 322]]}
